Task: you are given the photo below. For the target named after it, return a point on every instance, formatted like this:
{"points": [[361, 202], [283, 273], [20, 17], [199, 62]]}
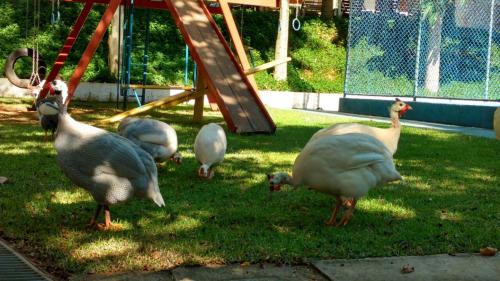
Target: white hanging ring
{"points": [[296, 24]]}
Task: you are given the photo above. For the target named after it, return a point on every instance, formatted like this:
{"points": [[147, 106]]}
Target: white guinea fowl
{"points": [[388, 136], [209, 148], [110, 167], [346, 165], [156, 137]]}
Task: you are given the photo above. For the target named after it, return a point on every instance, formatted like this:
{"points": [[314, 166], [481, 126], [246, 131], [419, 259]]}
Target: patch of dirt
{"points": [[17, 114]]}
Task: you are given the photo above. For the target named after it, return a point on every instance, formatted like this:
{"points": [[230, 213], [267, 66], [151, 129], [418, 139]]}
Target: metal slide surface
{"points": [[237, 99]]}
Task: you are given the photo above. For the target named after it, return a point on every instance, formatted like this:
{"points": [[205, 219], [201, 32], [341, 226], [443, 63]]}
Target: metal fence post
{"points": [[417, 58], [488, 56]]}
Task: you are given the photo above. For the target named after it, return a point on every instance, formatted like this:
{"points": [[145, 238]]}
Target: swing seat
{"points": [[11, 61]]}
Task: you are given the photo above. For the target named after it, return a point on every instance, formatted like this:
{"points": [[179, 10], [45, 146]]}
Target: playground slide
{"points": [[238, 101]]}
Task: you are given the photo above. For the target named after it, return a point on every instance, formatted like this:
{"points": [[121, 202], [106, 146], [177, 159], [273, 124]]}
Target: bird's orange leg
{"points": [[348, 214], [333, 218], [211, 173], [93, 221], [107, 217]]}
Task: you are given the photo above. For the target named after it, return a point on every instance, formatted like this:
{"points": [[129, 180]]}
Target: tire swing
{"points": [[11, 61]]}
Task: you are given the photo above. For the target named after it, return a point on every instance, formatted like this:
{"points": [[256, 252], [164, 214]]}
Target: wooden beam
{"points": [[236, 38], [152, 87], [201, 87], [267, 65], [161, 5], [260, 3], [91, 48], [167, 101]]}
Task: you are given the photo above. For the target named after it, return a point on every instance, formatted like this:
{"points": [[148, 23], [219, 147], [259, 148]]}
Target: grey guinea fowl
{"points": [[112, 168], [48, 111], [156, 137]]}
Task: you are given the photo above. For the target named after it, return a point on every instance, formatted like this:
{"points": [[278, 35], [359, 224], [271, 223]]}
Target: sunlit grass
{"points": [[448, 201]]}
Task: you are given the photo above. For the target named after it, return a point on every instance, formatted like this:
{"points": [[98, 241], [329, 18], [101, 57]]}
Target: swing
{"points": [[38, 68]]}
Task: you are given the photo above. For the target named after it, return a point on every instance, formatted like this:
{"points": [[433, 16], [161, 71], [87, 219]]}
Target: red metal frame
{"points": [[91, 48], [68, 45]]}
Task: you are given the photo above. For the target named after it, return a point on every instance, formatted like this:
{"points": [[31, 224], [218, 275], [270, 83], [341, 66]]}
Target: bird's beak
{"points": [[404, 110]]}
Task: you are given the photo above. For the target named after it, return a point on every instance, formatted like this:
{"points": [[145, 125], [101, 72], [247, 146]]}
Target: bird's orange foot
{"points": [[91, 225], [110, 227], [330, 222], [345, 219]]}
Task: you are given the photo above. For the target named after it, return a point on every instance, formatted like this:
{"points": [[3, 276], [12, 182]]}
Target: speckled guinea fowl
{"points": [[112, 168], [48, 111], [157, 138]]}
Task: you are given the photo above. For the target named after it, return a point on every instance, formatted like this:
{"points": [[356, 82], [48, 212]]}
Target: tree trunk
{"points": [[433, 61], [113, 44], [327, 9], [280, 71]]}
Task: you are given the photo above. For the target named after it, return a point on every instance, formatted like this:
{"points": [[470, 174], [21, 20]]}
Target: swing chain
{"points": [[35, 77], [56, 14]]}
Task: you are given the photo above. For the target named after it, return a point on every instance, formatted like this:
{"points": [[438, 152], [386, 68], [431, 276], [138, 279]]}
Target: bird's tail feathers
{"points": [[158, 199]]}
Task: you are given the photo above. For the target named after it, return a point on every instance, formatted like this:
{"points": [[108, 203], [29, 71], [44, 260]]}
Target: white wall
{"points": [[107, 92]]}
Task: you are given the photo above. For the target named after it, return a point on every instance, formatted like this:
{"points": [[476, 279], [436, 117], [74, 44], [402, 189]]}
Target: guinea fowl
{"points": [[389, 136], [110, 167], [346, 165], [209, 148], [48, 109], [156, 137]]}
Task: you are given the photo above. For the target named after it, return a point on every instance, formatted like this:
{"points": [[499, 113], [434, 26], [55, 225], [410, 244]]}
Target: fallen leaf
{"points": [[3, 180], [407, 269], [245, 264], [488, 251], [156, 255]]}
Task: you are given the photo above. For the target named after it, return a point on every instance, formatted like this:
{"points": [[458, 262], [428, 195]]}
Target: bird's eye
{"points": [[400, 104]]}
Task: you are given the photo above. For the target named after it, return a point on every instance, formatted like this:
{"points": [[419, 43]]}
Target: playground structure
{"points": [[223, 76]]}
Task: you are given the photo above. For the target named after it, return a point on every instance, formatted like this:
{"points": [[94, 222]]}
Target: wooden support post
{"points": [[211, 99], [280, 71], [201, 88], [64, 52], [91, 48], [236, 38]]}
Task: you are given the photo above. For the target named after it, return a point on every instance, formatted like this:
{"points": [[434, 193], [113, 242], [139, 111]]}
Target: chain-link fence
{"points": [[424, 48]]}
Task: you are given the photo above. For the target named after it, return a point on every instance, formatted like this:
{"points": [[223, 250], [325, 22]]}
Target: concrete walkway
{"points": [[466, 267], [476, 132]]}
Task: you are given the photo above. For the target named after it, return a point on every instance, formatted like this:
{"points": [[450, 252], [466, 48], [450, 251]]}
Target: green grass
{"points": [[448, 202]]}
